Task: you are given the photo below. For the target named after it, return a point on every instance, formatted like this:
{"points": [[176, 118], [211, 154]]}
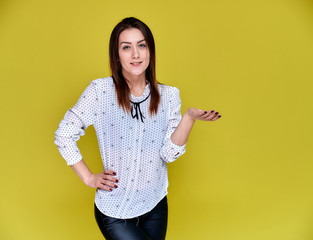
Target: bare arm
{"points": [[103, 180], [181, 133]]}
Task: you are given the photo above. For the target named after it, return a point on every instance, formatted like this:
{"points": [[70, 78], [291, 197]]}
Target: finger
{"points": [[110, 172], [206, 114], [109, 177], [203, 113], [108, 183], [104, 187], [210, 117], [216, 117]]}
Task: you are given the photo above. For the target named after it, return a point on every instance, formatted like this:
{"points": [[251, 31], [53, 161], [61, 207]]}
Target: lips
{"points": [[136, 63]]}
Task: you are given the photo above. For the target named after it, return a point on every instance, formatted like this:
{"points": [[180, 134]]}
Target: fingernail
{"points": [[110, 189], [216, 113], [205, 111], [219, 116], [212, 111], [114, 173], [116, 180], [115, 186]]}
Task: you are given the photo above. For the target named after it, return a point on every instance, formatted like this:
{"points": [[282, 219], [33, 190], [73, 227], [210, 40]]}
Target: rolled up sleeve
{"points": [[74, 123], [170, 151]]}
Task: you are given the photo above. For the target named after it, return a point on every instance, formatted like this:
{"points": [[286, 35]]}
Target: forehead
{"points": [[131, 35]]}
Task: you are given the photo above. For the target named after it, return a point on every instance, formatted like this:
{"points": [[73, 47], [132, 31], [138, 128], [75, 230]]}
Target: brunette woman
{"points": [[139, 129]]}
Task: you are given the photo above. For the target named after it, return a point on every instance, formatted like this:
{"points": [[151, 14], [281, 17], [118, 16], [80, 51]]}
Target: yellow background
{"points": [[247, 176]]}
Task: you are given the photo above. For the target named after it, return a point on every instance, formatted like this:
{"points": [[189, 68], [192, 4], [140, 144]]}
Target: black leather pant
{"points": [[150, 226]]}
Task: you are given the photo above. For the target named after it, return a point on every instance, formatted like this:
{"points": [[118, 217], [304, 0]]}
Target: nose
{"points": [[135, 53]]}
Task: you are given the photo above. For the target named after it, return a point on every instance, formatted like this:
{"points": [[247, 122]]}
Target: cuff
{"points": [[174, 151]]}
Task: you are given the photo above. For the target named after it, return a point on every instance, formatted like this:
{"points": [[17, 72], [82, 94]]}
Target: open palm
{"points": [[195, 113]]}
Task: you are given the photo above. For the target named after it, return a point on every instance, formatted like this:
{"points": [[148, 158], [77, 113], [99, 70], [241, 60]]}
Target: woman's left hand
{"points": [[181, 133], [203, 115]]}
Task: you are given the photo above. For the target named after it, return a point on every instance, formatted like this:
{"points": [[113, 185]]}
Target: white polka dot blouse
{"points": [[136, 146]]}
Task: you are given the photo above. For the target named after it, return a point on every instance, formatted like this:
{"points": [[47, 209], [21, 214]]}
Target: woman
{"points": [[139, 129]]}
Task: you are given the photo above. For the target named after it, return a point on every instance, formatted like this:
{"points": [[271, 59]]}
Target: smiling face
{"points": [[133, 53]]}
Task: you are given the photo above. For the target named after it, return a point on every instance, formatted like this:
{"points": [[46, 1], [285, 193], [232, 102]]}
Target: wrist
{"points": [[188, 117], [87, 178], [83, 172]]}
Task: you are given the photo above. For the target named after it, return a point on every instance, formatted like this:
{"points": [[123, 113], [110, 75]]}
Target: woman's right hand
{"points": [[103, 180]]}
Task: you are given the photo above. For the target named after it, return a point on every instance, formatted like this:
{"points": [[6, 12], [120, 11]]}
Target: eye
{"points": [[142, 45], [126, 47]]}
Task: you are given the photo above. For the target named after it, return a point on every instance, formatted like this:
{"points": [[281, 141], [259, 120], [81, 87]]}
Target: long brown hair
{"points": [[121, 86]]}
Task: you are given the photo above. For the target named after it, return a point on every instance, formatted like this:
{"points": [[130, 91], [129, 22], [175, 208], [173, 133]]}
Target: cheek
{"points": [[147, 56], [122, 59], [120, 56]]}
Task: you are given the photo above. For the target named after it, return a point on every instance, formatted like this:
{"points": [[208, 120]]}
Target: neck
{"points": [[136, 84]]}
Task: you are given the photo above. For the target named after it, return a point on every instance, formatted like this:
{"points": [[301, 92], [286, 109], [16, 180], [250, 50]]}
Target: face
{"points": [[133, 53]]}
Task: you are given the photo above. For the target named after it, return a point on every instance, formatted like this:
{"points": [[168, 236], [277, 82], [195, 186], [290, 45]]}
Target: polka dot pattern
{"points": [[137, 151]]}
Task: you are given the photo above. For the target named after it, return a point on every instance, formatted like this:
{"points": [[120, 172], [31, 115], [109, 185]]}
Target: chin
{"points": [[137, 73]]}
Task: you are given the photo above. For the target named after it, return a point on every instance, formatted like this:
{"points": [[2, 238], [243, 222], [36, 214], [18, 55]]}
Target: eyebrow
{"points": [[130, 42]]}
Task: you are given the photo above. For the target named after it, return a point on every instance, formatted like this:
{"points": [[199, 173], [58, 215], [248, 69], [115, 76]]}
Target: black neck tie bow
{"points": [[135, 109]]}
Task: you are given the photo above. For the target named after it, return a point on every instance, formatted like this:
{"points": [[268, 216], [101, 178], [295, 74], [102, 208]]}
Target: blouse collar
{"points": [[145, 94]]}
